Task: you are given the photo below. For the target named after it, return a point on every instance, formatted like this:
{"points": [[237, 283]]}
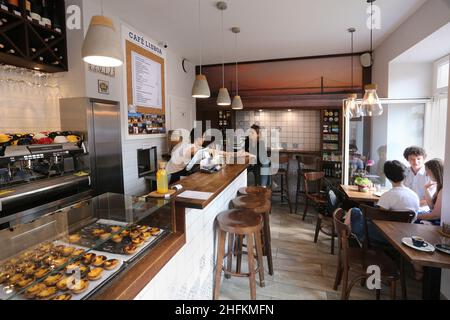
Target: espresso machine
{"points": [[33, 176]]}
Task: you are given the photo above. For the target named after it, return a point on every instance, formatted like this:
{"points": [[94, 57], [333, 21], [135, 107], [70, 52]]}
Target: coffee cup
{"points": [[418, 242]]}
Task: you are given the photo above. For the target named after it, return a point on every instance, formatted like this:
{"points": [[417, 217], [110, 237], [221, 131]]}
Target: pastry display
{"points": [[134, 233], [146, 235], [15, 278], [130, 249], [88, 257], [78, 252], [154, 231], [142, 228], [46, 293], [59, 262], [25, 281], [77, 286], [98, 261], [51, 280], [74, 238], [67, 251], [138, 241], [65, 296], [110, 264], [62, 284], [95, 274], [34, 290], [41, 272], [30, 270], [117, 238]]}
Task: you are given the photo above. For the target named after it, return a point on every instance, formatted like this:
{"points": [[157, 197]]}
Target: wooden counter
{"points": [[208, 182]]}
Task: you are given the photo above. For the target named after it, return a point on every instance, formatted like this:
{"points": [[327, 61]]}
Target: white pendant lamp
{"points": [[353, 107], [223, 99], [371, 105], [200, 89], [237, 101], [101, 46]]}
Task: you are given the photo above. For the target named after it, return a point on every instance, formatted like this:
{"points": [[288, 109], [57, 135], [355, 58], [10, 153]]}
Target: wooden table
{"points": [[355, 195], [431, 262]]}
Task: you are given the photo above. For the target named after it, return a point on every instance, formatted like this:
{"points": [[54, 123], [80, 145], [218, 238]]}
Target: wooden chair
{"points": [[357, 260], [377, 213], [283, 173], [304, 161], [332, 203], [317, 197]]}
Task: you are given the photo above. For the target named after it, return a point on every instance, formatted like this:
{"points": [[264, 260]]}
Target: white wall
{"points": [[412, 80]]}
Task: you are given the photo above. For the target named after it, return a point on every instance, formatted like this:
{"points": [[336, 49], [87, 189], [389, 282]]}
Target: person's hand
{"points": [[429, 185]]}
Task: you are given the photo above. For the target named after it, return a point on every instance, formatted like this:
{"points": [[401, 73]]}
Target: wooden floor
{"points": [[304, 270]]}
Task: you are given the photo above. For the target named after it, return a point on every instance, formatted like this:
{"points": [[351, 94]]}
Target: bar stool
{"points": [[283, 173], [239, 223], [259, 205], [257, 191]]}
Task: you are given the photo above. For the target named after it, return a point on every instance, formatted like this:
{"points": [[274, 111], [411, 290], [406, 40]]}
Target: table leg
{"points": [[431, 283]]}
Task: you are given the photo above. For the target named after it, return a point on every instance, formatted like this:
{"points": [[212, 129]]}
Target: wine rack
{"points": [[331, 125], [24, 42]]}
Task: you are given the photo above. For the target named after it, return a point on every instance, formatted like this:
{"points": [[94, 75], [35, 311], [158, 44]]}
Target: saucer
{"points": [[408, 241], [441, 248]]}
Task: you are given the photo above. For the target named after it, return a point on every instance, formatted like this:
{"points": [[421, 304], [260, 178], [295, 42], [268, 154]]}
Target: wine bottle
{"points": [[14, 7], [56, 18], [36, 10], [4, 5], [46, 19], [28, 9]]}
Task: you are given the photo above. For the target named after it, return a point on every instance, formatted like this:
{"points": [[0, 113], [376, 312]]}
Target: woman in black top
{"points": [[257, 147]]}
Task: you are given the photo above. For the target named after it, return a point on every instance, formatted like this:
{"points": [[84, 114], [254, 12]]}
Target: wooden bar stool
{"points": [[257, 191], [283, 173], [239, 223], [259, 205]]}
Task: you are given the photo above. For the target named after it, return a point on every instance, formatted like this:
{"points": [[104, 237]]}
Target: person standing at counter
{"points": [[256, 146], [416, 176], [182, 154]]}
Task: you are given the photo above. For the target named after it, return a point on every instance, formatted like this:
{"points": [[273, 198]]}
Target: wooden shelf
{"points": [[30, 45]]}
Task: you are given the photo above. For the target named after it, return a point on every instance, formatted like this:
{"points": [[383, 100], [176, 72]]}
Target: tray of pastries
{"points": [[54, 271], [126, 243]]}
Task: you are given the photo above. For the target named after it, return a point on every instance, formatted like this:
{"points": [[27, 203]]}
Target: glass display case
{"points": [[75, 252]]}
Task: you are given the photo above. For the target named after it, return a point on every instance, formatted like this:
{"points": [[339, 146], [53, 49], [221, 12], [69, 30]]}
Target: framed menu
{"points": [[145, 80]]}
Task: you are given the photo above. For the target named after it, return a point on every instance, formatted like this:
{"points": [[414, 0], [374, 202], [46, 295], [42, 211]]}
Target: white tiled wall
{"points": [[189, 274], [298, 129]]}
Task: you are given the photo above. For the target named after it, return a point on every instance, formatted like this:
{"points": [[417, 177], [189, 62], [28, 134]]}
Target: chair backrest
{"points": [[377, 213], [333, 201], [313, 177], [343, 233]]}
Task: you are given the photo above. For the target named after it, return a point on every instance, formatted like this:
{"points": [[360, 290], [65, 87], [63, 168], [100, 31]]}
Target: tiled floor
{"points": [[303, 270]]}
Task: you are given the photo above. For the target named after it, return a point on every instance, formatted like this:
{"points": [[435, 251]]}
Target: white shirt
{"points": [[416, 182], [400, 199], [181, 155]]}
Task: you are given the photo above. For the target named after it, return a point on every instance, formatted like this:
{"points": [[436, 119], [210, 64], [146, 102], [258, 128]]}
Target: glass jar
{"points": [[162, 179]]}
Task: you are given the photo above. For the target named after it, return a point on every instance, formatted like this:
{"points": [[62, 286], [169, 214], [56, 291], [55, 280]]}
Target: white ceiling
{"points": [[435, 46], [270, 29]]}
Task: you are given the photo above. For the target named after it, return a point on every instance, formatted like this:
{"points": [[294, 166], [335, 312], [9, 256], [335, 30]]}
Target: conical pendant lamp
{"points": [[200, 89], [223, 99], [101, 46], [237, 101], [371, 105]]}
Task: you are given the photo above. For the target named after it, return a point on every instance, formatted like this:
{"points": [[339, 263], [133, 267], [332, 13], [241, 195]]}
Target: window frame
{"points": [[437, 64]]}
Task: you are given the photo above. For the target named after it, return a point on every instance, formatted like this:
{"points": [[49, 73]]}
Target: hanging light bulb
{"points": [[223, 99], [101, 46], [237, 101], [371, 105], [200, 89]]}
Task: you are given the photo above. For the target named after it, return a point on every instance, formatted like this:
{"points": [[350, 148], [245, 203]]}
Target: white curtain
{"points": [[435, 127]]}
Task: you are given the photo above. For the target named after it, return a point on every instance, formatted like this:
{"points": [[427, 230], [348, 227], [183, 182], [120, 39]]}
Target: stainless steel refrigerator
{"points": [[99, 123]]}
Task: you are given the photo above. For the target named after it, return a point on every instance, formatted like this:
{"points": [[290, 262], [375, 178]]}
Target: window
{"points": [[441, 73]]}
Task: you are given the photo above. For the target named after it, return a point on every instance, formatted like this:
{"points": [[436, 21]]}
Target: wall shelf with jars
{"points": [[33, 34], [331, 143]]}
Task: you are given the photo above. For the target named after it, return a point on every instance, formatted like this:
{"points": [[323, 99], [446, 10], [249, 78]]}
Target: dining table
{"points": [[432, 262], [354, 194]]}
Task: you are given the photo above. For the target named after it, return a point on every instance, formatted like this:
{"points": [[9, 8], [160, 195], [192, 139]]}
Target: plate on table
{"points": [[408, 241], [443, 248]]}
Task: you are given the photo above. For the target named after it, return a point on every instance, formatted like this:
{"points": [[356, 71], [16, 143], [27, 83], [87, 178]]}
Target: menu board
{"points": [[147, 88]]}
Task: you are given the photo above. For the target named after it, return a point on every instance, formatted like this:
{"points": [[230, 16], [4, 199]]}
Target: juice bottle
{"points": [[162, 180]]}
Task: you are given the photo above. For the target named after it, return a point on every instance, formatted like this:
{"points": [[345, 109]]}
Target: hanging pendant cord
{"points": [[200, 35], [371, 27], [102, 7], [352, 60], [237, 78], [223, 59]]}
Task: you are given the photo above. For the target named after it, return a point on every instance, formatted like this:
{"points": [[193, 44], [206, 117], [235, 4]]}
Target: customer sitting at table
{"points": [[182, 154], [399, 198], [416, 177], [433, 192], [256, 146]]}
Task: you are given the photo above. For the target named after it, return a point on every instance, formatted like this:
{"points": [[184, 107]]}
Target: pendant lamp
{"points": [[101, 46], [237, 101], [223, 99], [353, 107], [200, 89], [371, 105]]}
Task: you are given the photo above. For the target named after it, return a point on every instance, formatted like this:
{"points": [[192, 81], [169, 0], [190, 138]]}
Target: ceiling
{"points": [[429, 49], [270, 29]]}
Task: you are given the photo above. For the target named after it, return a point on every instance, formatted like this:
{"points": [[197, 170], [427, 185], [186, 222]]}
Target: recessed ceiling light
{"points": [[260, 110], [289, 110]]}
